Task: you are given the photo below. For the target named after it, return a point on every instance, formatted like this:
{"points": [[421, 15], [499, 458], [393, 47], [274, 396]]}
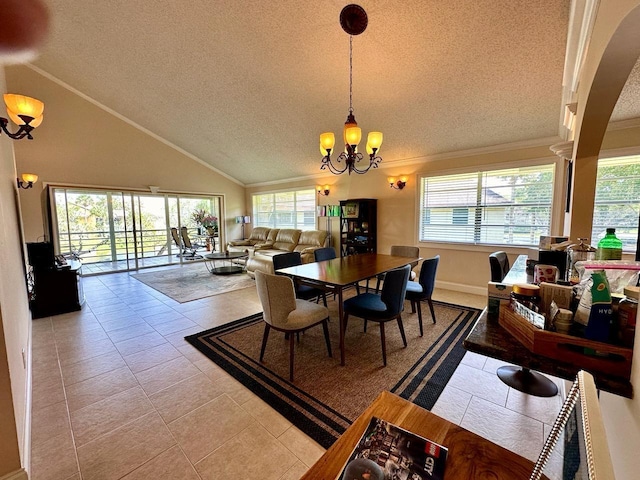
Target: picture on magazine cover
{"points": [[388, 452]]}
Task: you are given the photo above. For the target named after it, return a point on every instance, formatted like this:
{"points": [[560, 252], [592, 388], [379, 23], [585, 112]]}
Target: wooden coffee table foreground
{"points": [[470, 456]]}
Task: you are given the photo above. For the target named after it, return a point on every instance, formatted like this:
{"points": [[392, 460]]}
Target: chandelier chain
{"points": [[350, 73]]}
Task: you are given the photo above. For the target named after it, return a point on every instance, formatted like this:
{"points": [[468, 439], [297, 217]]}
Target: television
{"points": [[584, 448]]}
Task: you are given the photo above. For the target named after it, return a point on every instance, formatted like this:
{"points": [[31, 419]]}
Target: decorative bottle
{"points": [[610, 247]]}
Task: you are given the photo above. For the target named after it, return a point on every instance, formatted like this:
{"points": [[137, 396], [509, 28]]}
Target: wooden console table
{"points": [[470, 456], [490, 339]]}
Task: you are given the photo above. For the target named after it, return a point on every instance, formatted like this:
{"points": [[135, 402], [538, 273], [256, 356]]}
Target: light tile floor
{"points": [[118, 393]]}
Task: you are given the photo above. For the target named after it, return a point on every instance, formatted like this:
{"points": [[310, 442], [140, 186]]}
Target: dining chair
{"points": [[304, 292], [423, 288], [285, 313], [499, 263], [325, 253], [382, 307], [189, 245], [401, 251]]}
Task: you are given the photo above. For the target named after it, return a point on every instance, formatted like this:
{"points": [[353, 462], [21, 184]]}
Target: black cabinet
{"points": [[358, 226], [56, 290]]}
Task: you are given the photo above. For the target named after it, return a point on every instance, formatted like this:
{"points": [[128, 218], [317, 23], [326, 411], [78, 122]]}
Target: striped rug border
{"points": [[316, 419]]}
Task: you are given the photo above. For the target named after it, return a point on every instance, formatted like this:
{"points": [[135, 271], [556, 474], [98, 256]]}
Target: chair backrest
{"points": [[326, 253], [176, 237], [406, 251], [499, 263], [277, 297], [428, 275], [285, 260], [185, 237], [394, 289]]}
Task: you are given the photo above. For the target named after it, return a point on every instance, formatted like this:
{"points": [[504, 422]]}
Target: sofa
{"points": [[259, 236], [264, 244]]}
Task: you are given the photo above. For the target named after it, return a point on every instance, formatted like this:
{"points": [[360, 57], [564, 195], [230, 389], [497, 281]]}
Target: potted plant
{"points": [[206, 221], [211, 224]]}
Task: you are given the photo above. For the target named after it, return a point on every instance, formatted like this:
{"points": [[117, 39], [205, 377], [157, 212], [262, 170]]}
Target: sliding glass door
{"points": [[117, 230]]}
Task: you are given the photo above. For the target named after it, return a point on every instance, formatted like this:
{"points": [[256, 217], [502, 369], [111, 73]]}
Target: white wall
{"points": [[15, 321]]}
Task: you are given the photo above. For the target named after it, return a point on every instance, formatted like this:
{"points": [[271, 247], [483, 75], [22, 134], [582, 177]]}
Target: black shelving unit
{"points": [[358, 226]]}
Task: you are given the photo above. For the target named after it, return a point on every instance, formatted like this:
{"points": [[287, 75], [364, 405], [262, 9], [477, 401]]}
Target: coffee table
{"points": [[234, 259]]}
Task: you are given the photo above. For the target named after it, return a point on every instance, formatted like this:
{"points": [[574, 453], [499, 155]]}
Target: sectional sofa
{"points": [[264, 243]]}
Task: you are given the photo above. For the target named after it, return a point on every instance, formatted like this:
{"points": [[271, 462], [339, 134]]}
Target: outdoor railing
{"points": [[105, 246]]}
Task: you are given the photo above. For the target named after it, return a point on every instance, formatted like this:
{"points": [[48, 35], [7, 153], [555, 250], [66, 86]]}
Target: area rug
{"points": [[325, 397], [191, 282]]}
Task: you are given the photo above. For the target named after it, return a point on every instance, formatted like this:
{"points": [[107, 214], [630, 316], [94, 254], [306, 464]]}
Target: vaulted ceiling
{"points": [[247, 86]]}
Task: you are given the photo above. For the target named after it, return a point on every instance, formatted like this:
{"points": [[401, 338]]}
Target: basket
{"points": [[607, 359]]}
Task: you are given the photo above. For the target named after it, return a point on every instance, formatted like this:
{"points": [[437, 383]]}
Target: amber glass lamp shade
{"points": [[327, 142], [353, 135], [23, 105], [391, 180], [19, 121], [29, 177], [374, 140]]}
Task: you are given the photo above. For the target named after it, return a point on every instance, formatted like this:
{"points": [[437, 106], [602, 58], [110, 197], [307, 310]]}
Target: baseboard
{"points": [[17, 475], [461, 287]]}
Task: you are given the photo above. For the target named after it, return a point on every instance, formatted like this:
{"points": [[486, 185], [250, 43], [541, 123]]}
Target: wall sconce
{"points": [[397, 184], [28, 179], [323, 190], [26, 112]]}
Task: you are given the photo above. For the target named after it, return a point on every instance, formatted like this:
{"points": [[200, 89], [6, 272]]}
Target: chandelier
{"points": [[353, 20]]}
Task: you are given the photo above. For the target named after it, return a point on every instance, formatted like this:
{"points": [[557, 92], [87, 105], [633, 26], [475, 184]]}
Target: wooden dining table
{"points": [[339, 273]]}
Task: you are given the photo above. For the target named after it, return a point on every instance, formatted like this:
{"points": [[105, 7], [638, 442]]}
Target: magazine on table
{"points": [[388, 452]]}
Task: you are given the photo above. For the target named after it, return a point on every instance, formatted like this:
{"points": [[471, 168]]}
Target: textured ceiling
{"points": [[248, 86], [628, 105]]}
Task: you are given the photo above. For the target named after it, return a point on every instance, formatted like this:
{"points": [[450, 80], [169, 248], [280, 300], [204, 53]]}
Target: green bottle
{"points": [[610, 247]]}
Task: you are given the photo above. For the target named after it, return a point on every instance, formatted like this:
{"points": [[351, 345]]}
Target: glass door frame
{"points": [[130, 196]]}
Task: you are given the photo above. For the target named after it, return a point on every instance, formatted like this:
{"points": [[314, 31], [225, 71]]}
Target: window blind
{"points": [[511, 206], [290, 209]]}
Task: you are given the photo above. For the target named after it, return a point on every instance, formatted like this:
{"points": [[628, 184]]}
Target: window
{"points": [[292, 209], [617, 202], [498, 207]]}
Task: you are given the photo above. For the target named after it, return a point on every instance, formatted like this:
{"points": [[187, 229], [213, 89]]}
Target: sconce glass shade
{"points": [[353, 135], [323, 151], [23, 105], [403, 179], [369, 149], [374, 140], [19, 121], [327, 142], [391, 180], [29, 177]]}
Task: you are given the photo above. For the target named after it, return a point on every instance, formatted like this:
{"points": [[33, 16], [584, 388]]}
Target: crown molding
{"points": [[471, 152], [624, 124]]}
